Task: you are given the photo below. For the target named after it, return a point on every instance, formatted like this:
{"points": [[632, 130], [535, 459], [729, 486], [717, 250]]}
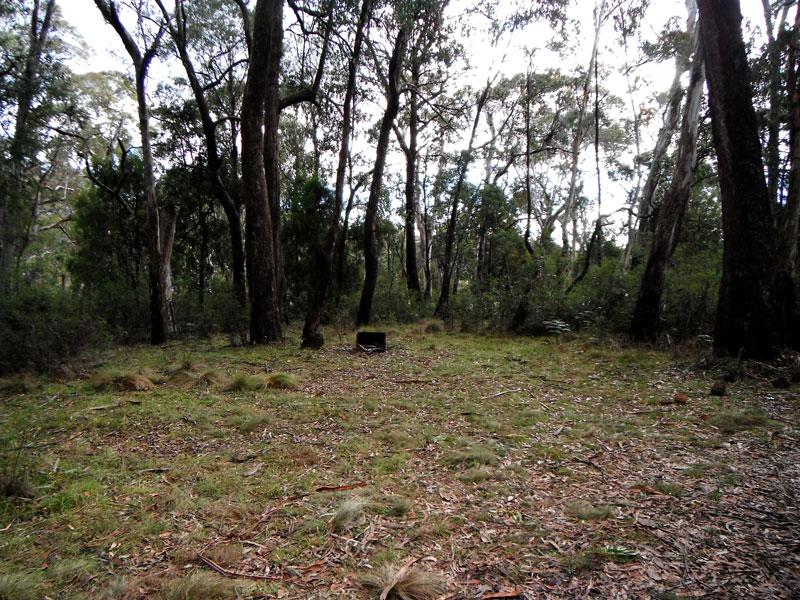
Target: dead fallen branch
{"points": [[498, 394], [236, 574]]}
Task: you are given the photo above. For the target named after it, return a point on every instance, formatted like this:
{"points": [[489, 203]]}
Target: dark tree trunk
{"points": [[412, 271], [201, 257], [272, 113], [426, 266], [341, 244], [528, 244], [747, 321], [670, 216], [316, 310], [260, 99], [159, 311], [443, 305], [371, 214]]}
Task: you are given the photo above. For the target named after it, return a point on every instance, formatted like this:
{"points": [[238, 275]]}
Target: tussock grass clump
{"points": [[733, 421], [474, 455], [123, 382], [206, 586], [73, 569], [20, 586], [212, 377], [349, 514], [397, 506], [183, 378], [476, 475], [245, 383], [432, 326], [282, 381], [413, 584], [584, 511]]}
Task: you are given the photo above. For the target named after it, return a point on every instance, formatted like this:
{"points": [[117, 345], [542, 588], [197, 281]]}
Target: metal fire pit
{"points": [[371, 341]]}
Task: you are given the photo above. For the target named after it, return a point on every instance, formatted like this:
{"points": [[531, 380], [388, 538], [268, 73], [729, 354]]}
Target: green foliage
{"points": [[109, 263], [308, 207], [41, 329]]}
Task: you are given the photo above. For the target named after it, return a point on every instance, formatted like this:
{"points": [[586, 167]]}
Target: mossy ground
{"points": [[501, 463]]}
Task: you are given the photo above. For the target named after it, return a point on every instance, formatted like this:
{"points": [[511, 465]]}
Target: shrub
{"points": [[41, 330]]}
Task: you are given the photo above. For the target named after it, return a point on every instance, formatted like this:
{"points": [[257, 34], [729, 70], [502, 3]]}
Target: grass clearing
{"points": [[357, 463]]}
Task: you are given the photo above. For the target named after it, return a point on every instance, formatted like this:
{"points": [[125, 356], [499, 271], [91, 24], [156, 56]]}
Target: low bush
{"points": [[42, 330]]}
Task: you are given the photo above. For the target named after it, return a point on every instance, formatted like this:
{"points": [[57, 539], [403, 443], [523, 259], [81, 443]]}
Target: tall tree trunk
{"points": [[528, 199], [443, 304], [570, 204], [317, 308], [260, 99], [746, 318], [158, 270], [341, 243], [670, 217], [427, 234], [371, 214], [647, 199], [159, 242], [788, 228], [412, 271], [272, 113], [773, 56]]}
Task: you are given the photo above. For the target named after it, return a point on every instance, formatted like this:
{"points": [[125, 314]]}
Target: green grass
{"points": [[283, 381], [585, 511], [344, 460], [245, 383], [734, 421]]}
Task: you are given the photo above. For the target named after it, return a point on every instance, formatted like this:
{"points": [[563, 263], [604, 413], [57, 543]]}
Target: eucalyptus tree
{"points": [[463, 163], [433, 50], [222, 55], [261, 108], [317, 304], [646, 201], [747, 319], [789, 221], [142, 46], [569, 214], [673, 206], [392, 78]]}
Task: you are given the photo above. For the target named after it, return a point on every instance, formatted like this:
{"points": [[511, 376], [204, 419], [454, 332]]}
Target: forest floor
{"points": [[476, 466]]}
